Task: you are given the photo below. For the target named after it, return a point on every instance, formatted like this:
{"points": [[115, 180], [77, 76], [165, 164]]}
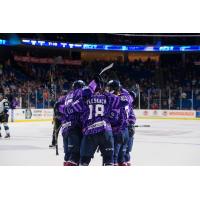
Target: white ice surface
{"points": [[166, 142]]}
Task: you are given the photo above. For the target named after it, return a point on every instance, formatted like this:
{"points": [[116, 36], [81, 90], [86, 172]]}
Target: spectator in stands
{"points": [[31, 79]]}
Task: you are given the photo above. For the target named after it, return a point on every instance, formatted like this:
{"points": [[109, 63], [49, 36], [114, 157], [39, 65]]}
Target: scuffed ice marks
{"points": [[166, 142]]}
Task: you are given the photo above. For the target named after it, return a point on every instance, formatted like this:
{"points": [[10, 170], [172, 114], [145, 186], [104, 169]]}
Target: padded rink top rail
{"points": [[35, 115]]}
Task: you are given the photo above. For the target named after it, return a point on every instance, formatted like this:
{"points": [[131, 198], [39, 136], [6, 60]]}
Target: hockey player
{"points": [[131, 128], [57, 120], [4, 106], [96, 114], [71, 127], [131, 131], [120, 127]]}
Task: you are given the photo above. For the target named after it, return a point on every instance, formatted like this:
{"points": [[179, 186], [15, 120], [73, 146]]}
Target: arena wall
{"points": [[166, 114], [26, 115]]}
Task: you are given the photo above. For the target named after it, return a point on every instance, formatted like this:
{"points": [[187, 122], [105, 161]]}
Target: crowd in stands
{"points": [[162, 85]]}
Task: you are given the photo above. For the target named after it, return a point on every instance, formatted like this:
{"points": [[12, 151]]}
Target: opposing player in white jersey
{"points": [[4, 106]]}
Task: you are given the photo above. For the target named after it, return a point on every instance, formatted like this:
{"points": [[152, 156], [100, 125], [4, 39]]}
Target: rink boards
{"points": [[26, 115]]}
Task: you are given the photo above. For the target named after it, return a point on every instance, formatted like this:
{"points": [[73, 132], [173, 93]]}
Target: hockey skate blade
{"points": [[52, 147]]}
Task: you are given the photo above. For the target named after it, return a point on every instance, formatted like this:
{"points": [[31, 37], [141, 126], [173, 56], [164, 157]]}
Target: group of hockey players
{"points": [[97, 117]]}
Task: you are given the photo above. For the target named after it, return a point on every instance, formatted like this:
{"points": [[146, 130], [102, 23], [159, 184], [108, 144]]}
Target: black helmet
{"points": [[78, 84], [114, 85]]}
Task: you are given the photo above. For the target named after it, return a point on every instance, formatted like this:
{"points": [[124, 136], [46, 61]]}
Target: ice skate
{"points": [[7, 136], [52, 146]]}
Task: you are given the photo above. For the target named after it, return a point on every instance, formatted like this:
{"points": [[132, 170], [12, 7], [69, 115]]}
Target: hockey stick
{"points": [[56, 61], [140, 126], [102, 71], [98, 149], [56, 139], [106, 68]]}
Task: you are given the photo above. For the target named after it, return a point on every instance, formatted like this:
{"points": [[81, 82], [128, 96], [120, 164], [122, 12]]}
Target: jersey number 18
{"points": [[99, 110]]}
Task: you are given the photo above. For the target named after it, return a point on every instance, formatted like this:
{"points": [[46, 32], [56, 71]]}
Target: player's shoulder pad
{"points": [[110, 94], [76, 93], [124, 91]]}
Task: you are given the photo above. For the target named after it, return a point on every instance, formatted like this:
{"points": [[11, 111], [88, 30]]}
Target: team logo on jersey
{"points": [[123, 98]]}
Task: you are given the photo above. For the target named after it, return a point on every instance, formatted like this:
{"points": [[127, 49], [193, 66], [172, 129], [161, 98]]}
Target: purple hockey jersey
{"points": [[97, 112], [72, 120], [69, 122], [126, 115], [132, 117]]}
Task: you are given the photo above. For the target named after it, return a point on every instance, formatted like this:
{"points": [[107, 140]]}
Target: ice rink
{"points": [[166, 142]]}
